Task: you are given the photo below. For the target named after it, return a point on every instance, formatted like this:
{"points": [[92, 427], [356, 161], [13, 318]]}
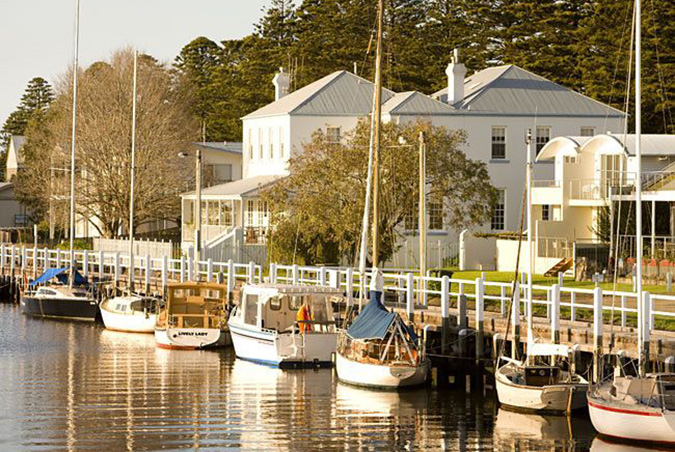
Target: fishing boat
{"points": [[285, 325], [641, 407], [378, 349], [194, 317], [545, 381], [51, 295], [130, 313]]}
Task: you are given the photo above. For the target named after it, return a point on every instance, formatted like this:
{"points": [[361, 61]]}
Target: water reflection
{"points": [[606, 445], [78, 387]]}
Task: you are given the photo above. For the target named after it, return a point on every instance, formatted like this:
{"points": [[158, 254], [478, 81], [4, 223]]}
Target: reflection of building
{"points": [[494, 106]]}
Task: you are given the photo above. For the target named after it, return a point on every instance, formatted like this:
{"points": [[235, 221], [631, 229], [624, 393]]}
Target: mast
{"points": [[72, 142], [528, 176], [422, 215], [133, 168], [198, 209], [638, 187], [377, 118]]}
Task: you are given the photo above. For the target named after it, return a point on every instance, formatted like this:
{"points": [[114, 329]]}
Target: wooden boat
{"points": [[194, 317], [265, 329], [635, 408], [378, 349], [130, 313], [56, 299]]}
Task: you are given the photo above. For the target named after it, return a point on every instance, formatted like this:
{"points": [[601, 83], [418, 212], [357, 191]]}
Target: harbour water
{"points": [[72, 386]]}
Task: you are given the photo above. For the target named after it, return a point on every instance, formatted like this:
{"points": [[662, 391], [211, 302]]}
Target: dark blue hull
{"points": [[60, 308]]}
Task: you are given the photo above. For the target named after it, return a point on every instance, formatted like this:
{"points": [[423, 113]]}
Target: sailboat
{"points": [[378, 349], [539, 383], [131, 312], [639, 408], [66, 293]]}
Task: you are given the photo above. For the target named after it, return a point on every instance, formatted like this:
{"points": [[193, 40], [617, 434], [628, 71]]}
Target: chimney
{"points": [[282, 83], [455, 72]]}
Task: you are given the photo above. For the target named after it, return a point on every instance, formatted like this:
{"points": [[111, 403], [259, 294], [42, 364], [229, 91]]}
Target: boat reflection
{"points": [[601, 444]]}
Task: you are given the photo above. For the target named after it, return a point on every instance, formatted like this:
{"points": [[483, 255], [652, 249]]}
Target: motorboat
{"points": [[536, 385], [51, 296], [378, 349], [194, 317], [130, 313], [635, 408], [268, 326]]}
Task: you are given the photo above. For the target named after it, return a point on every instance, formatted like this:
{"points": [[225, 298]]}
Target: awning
{"points": [[236, 190], [373, 322], [61, 274]]}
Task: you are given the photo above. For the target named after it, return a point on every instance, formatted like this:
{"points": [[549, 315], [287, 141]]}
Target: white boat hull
{"points": [[543, 399], [286, 349], [380, 376], [191, 338], [130, 323], [631, 422]]}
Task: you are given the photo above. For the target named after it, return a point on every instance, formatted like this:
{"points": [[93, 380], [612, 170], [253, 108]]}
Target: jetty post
{"points": [[597, 334], [647, 323], [85, 264], [148, 271]]}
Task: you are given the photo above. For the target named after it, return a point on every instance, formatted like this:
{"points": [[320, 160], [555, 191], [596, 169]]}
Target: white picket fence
{"points": [[411, 290]]}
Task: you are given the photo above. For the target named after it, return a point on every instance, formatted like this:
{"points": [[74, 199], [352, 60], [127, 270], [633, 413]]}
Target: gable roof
{"points": [[511, 90], [338, 94], [415, 103]]}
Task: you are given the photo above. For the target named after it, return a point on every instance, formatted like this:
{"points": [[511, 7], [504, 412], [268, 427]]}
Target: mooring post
{"points": [[573, 309], [273, 273], [58, 258], [85, 264], [515, 321], [350, 286], [23, 260], [502, 301], [480, 311], [647, 322], [231, 280], [101, 266], [46, 257], [623, 311], [12, 263], [295, 274], [575, 359], [165, 273], [116, 277], [36, 261], [190, 269], [209, 270], [597, 334], [410, 296], [148, 272], [461, 311], [555, 314], [445, 313], [322, 276], [251, 272], [182, 268]]}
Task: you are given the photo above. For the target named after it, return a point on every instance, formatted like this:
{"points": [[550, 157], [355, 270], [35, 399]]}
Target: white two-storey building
{"points": [[495, 106]]}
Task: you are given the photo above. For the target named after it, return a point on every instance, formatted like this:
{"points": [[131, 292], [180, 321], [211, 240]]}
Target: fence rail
{"points": [[411, 291]]}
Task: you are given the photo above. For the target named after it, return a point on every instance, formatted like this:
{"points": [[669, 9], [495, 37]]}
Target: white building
{"points": [[14, 157], [495, 106]]}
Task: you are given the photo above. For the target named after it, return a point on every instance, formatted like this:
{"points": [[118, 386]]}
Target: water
{"points": [[70, 386]]}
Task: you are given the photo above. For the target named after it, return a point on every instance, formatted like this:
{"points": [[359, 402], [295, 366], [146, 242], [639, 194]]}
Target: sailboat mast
{"points": [[530, 250], [133, 168], [377, 118], [422, 213], [72, 142], [638, 185]]}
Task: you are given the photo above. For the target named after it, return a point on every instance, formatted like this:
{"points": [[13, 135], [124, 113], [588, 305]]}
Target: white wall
{"points": [[477, 253], [507, 254], [216, 157], [272, 128]]}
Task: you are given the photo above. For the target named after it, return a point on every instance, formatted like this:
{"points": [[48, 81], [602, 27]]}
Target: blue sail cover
{"points": [[373, 322], [61, 274]]}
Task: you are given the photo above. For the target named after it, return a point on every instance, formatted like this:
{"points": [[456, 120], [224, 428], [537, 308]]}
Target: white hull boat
{"points": [[265, 328], [636, 409], [538, 398], [131, 314], [191, 338], [385, 376]]}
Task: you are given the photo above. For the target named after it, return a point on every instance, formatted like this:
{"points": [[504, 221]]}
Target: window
{"points": [[20, 219], [250, 143], [498, 143], [260, 143], [295, 301], [251, 310], [587, 131], [545, 212], [250, 207], [270, 143], [411, 220], [570, 159], [225, 213], [275, 303], [333, 134], [499, 212], [281, 142], [436, 215], [213, 212], [222, 172], [543, 137]]}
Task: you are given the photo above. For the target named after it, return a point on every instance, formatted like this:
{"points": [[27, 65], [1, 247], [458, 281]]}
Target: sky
{"points": [[37, 36]]}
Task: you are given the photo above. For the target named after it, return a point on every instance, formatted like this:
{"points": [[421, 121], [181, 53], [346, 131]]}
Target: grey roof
{"points": [[653, 145], [510, 90], [236, 189], [415, 103], [338, 94], [5, 185], [225, 146]]}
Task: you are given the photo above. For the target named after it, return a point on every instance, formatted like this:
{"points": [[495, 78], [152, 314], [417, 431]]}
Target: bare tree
{"points": [[164, 126]]}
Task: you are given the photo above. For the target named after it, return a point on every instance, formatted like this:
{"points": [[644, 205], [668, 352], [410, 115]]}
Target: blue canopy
{"points": [[373, 322], [61, 274]]}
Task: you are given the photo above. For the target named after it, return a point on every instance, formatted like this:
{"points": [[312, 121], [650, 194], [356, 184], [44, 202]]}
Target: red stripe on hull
{"points": [[619, 410], [176, 347]]}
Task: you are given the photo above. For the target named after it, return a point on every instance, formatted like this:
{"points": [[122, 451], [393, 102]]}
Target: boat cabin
{"points": [[275, 307], [130, 305], [656, 390], [61, 292], [194, 305]]}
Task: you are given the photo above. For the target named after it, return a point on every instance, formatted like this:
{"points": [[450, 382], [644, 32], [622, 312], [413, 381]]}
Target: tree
{"points": [[316, 211], [103, 146], [34, 102]]}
